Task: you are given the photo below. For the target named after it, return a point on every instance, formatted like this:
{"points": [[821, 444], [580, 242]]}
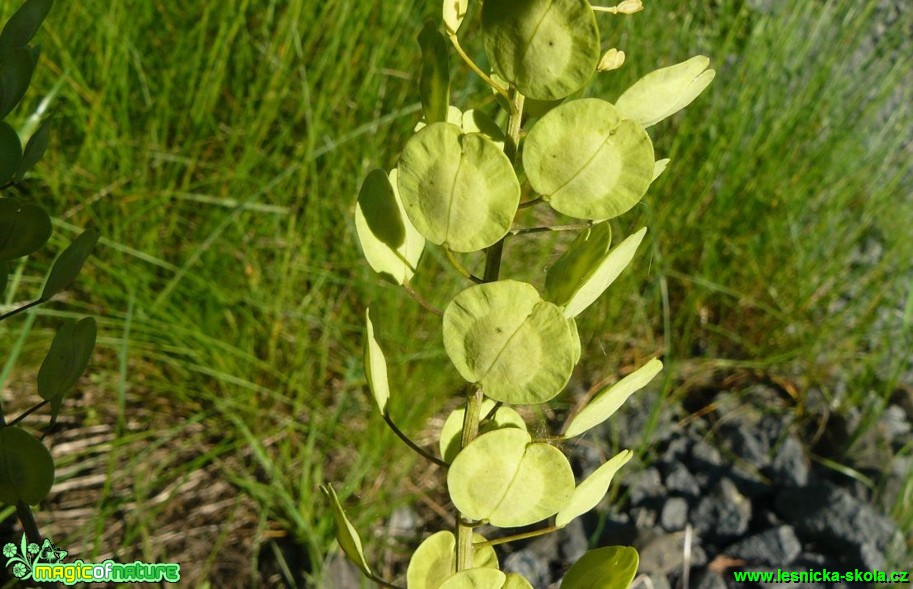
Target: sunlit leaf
{"points": [[66, 361], [24, 228], [453, 426], [434, 83], [590, 286], [547, 48], [612, 567], [34, 150], [26, 467], [388, 239], [15, 75], [475, 121], [435, 560], [346, 534], [515, 581], [454, 13], [570, 272], [10, 155], [588, 493], [505, 478], [376, 368], [475, 579], [516, 346], [459, 190], [587, 161], [659, 167], [607, 402], [23, 25], [69, 263], [666, 91]]}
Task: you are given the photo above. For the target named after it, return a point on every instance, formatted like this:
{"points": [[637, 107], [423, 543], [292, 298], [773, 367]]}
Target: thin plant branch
{"points": [[530, 203], [485, 77], [515, 537], [460, 268], [544, 228], [418, 449], [28, 412], [421, 300], [25, 307]]}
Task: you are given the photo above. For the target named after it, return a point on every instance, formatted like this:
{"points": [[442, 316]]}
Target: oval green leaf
{"points": [[435, 560], [434, 82], [34, 150], [664, 92], [475, 579], [568, 274], [69, 263], [548, 49], [15, 75], [23, 25], [376, 367], [587, 161], [346, 534], [453, 426], [24, 228], [10, 155], [607, 402], [517, 347], [388, 239], [66, 361], [591, 491], [612, 567], [591, 285], [459, 190], [26, 467], [454, 12], [515, 581], [505, 478]]}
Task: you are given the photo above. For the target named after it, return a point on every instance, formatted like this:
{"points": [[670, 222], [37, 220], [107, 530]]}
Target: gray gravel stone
{"points": [[789, 466], [680, 480], [646, 484], [674, 514], [708, 580], [723, 515], [532, 566], [775, 546]]}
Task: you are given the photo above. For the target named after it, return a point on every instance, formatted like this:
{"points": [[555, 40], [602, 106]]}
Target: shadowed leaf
{"points": [[26, 467], [68, 265]]}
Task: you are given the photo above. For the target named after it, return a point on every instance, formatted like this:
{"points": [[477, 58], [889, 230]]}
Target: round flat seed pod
{"points": [[452, 430], [459, 190], [548, 49], [587, 161], [503, 336]]}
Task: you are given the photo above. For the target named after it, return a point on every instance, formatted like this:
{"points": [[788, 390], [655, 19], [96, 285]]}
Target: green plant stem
{"points": [[28, 412], [460, 268], [544, 228], [24, 512], [381, 582], [531, 202], [515, 537], [421, 300], [418, 449], [25, 307], [472, 65], [492, 272]]}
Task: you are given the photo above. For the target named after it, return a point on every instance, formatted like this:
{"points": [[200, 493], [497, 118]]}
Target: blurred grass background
{"points": [[219, 147]]}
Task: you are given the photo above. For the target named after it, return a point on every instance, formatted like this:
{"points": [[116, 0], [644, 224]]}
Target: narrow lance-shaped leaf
{"points": [[570, 272], [376, 368], [434, 84], [607, 402], [454, 12], [34, 150], [10, 155], [612, 567], [666, 91], [588, 493], [23, 25], [659, 167], [346, 534], [24, 228], [604, 274], [26, 467], [16, 71], [68, 265], [66, 361]]}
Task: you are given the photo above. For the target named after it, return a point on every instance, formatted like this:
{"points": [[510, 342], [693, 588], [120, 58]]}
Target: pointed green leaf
{"points": [[547, 48], [434, 83], [517, 347], [453, 426], [591, 491], [515, 581], [612, 567], [10, 155], [346, 534], [66, 361], [659, 167], [34, 150], [23, 25], [454, 13], [26, 467], [388, 239], [587, 161], [603, 274], [666, 91], [607, 402], [15, 75], [435, 560], [376, 368], [24, 228], [68, 265], [570, 272], [505, 478], [459, 190], [475, 579]]}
